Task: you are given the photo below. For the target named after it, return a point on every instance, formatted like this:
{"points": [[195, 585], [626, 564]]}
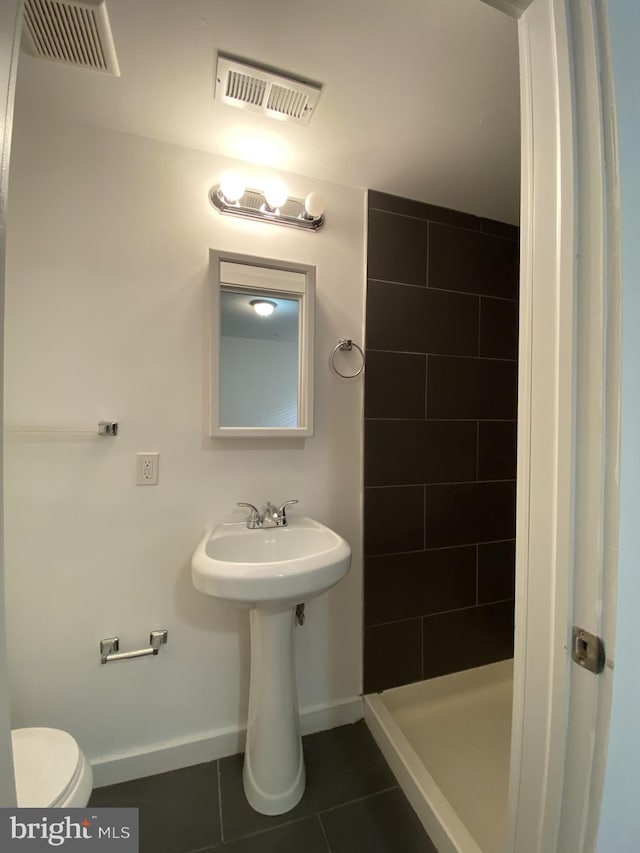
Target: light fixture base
{"points": [[253, 205]]}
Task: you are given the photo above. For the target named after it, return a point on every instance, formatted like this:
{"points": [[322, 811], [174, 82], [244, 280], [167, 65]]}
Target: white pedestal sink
{"points": [[271, 570]]}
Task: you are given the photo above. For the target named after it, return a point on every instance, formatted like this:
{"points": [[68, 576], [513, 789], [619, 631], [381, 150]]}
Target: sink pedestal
{"points": [[270, 571], [273, 774]]}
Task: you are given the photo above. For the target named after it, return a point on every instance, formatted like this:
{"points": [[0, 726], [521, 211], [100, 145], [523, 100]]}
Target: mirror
{"points": [[262, 347]]}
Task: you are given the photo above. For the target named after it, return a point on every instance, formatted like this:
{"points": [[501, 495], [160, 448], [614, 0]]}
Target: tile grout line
{"points": [[442, 420], [426, 385], [324, 832], [447, 420], [479, 230], [426, 271], [441, 221], [426, 485], [471, 356], [424, 616], [437, 547], [358, 799], [304, 817], [206, 849], [434, 287], [220, 801], [424, 518], [436, 485], [263, 831]]}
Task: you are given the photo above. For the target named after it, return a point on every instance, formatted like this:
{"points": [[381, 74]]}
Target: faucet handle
{"points": [[254, 519], [282, 511]]}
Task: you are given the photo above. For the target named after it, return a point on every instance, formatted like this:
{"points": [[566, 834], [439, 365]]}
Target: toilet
{"points": [[50, 769]]}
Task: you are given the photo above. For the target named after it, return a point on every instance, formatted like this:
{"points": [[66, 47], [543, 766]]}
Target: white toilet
{"points": [[51, 771]]}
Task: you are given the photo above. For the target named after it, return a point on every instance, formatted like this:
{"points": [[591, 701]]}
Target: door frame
{"points": [[10, 25], [568, 433]]}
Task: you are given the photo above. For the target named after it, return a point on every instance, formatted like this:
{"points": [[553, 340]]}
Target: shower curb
{"points": [[442, 824]]}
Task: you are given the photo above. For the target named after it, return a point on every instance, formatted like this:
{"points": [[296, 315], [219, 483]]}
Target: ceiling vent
{"points": [[76, 32], [265, 90]]}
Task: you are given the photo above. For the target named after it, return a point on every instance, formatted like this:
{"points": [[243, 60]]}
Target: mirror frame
{"points": [[305, 348]]}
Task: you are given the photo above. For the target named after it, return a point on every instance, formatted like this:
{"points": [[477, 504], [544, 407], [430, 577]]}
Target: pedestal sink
{"points": [[270, 571]]}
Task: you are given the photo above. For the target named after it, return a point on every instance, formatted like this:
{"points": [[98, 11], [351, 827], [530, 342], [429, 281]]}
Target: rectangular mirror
{"points": [[262, 346]]}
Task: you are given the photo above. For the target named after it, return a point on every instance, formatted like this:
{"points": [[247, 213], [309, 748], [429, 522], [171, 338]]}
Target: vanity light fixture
{"points": [[276, 195], [232, 187], [269, 205], [263, 307]]}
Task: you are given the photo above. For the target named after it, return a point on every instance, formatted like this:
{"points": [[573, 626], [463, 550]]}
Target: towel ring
{"points": [[346, 345]]}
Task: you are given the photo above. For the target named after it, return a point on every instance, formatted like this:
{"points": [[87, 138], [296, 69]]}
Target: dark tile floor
{"points": [[352, 804]]}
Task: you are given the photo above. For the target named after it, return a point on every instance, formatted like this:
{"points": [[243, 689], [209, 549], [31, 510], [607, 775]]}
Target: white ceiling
{"points": [[420, 97]]}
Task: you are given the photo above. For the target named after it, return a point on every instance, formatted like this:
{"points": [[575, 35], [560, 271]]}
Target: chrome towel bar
{"points": [[44, 431], [110, 648]]}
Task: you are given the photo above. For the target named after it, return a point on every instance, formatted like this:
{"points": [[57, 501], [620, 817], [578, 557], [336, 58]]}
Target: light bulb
{"points": [[314, 205], [232, 187], [263, 307], [276, 194]]}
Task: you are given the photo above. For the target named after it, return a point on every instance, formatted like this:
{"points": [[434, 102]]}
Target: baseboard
{"points": [[171, 755], [319, 718]]}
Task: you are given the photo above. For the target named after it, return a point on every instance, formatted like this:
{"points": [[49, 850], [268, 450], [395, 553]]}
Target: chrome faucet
{"points": [[254, 521], [271, 515]]}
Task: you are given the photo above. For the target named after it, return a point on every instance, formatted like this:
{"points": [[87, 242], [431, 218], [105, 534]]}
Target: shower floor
{"points": [[448, 739]]}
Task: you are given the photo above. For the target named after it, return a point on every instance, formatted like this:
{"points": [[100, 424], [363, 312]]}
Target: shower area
{"points": [[439, 511]]}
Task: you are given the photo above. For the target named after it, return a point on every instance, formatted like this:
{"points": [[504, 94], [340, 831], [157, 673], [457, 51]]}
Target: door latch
{"points": [[587, 650]]}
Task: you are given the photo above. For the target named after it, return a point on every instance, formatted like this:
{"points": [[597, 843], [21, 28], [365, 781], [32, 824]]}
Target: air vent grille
{"points": [[241, 87], [288, 102], [260, 89], [76, 33]]}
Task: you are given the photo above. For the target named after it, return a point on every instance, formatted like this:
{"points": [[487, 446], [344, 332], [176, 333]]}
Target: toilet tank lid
{"points": [[45, 762]]}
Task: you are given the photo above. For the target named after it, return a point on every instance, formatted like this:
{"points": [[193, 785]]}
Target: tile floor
{"points": [[352, 804]]}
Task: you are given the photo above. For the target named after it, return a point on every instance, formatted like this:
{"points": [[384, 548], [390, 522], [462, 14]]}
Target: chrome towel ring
{"points": [[346, 345]]}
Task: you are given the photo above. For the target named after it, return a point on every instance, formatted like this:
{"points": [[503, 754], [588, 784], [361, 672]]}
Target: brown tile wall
{"points": [[440, 441]]}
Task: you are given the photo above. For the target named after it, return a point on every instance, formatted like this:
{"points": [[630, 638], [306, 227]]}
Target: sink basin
{"points": [[271, 570], [277, 565]]}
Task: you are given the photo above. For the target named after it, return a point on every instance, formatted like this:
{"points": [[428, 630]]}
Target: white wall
{"points": [[107, 316], [620, 815]]}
